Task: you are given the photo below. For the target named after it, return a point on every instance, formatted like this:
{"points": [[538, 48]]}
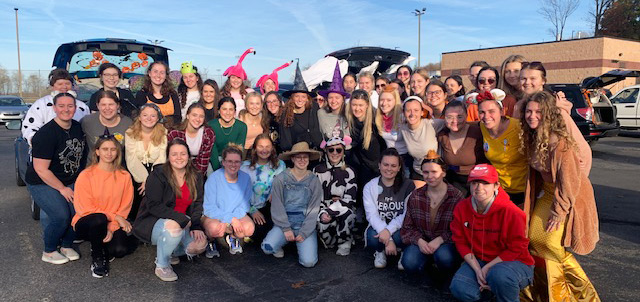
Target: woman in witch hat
{"points": [[332, 118], [300, 118]]}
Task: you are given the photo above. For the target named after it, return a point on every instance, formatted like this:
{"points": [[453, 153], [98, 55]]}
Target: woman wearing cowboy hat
{"points": [[295, 203]]}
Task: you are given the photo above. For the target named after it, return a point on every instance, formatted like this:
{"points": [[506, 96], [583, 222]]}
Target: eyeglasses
{"points": [[110, 75], [434, 93], [381, 85], [485, 81], [336, 150], [233, 162]]}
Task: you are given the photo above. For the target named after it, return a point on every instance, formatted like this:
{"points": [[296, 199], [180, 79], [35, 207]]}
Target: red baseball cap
{"points": [[483, 172]]}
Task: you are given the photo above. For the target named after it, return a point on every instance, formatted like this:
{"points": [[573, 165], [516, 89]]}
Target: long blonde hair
{"points": [[502, 83], [367, 129], [117, 162], [264, 117], [535, 142], [158, 134], [396, 112]]}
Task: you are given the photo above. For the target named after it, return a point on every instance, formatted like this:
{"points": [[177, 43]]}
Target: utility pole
{"points": [[419, 13], [19, 69]]}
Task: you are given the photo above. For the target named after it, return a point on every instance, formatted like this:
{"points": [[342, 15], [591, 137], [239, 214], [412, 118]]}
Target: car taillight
{"points": [[585, 113]]}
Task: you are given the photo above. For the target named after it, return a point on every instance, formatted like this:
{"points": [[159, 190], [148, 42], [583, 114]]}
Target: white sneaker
{"points": [[344, 249], [54, 258], [279, 254], [234, 245], [380, 260], [70, 253], [400, 267], [174, 260]]}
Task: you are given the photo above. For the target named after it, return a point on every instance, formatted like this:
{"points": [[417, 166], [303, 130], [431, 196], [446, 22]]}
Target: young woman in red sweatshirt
{"points": [[489, 233]]}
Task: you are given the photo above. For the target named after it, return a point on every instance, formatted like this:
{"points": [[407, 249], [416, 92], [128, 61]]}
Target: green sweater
{"points": [[235, 134]]}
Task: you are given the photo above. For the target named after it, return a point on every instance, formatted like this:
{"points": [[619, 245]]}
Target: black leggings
{"points": [[93, 228]]}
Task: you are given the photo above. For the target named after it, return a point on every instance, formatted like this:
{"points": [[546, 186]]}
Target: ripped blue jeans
{"points": [[169, 242]]}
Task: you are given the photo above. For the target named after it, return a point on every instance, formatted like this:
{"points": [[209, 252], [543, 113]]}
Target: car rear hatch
{"points": [[604, 113], [363, 56], [83, 58]]}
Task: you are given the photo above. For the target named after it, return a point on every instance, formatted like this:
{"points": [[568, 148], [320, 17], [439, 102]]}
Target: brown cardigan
{"points": [[573, 197]]}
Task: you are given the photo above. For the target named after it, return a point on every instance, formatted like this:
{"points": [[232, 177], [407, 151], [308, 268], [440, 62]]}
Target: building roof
{"points": [[538, 43]]}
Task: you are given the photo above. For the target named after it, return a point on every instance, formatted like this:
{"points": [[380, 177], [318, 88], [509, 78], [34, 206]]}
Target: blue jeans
{"points": [[169, 243], [446, 259], [506, 279], [374, 243], [307, 249], [57, 229]]}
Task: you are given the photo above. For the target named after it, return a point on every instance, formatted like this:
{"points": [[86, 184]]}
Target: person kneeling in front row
{"points": [[295, 203], [489, 232], [171, 210]]}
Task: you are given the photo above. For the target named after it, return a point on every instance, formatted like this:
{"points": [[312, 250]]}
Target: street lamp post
{"points": [[19, 69], [419, 13]]}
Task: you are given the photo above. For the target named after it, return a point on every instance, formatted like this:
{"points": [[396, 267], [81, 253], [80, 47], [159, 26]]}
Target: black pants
{"points": [[93, 228], [262, 230]]}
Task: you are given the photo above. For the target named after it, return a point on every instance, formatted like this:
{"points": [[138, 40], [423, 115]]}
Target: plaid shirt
{"points": [[416, 223], [201, 161]]}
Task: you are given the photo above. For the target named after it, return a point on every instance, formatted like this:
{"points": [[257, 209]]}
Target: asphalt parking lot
{"points": [[613, 267]]}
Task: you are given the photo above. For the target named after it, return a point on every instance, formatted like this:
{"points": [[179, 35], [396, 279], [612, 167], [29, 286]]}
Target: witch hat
{"points": [[298, 85], [336, 85], [273, 76], [237, 70]]}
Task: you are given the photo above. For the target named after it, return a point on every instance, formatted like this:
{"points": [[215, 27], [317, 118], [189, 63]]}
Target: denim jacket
{"points": [[295, 204]]}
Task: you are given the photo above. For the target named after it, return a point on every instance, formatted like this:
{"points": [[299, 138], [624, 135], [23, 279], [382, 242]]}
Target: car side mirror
{"points": [[13, 125]]}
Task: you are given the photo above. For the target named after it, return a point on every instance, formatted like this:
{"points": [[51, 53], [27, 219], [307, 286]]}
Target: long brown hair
{"points": [[185, 122], [226, 89], [190, 177], [273, 158], [167, 85], [158, 135], [182, 88], [279, 98], [535, 142], [216, 98], [264, 118], [117, 162], [289, 107]]}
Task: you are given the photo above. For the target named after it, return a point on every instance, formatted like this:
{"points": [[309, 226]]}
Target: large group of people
{"points": [[483, 188]]}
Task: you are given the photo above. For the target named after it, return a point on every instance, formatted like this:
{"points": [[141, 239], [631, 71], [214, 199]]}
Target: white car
{"points": [[627, 102]]}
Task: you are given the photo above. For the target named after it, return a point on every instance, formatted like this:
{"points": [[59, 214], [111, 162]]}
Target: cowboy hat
{"points": [[301, 147]]}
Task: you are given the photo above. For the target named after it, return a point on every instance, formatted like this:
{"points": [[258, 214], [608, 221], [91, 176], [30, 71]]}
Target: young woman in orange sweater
{"points": [[102, 201]]}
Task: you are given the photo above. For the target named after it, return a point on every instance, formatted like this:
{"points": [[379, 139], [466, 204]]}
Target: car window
{"points": [[11, 102], [88, 62], [573, 95], [626, 96]]}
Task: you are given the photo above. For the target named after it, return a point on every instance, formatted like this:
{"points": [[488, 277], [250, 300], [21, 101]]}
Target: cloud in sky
{"points": [[213, 34]]}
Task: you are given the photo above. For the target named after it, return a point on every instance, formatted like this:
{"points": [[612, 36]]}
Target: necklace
{"points": [[230, 129]]}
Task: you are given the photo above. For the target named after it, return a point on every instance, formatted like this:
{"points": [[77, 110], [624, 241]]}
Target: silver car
{"points": [[12, 108]]}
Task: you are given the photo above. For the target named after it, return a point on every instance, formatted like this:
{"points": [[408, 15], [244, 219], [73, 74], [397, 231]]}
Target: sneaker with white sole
{"points": [[344, 249], [212, 250], [234, 245], [70, 253], [279, 254], [174, 260], [400, 266], [166, 274], [54, 258], [99, 267], [380, 260]]}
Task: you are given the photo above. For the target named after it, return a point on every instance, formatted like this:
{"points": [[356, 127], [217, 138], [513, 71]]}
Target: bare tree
{"points": [[35, 84], [596, 13], [557, 12], [5, 81]]}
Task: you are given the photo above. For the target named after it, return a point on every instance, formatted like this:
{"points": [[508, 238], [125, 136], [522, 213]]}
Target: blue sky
{"points": [[213, 33]]}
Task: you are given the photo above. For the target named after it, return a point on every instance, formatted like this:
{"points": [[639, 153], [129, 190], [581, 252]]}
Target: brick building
{"points": [[567, 61]]}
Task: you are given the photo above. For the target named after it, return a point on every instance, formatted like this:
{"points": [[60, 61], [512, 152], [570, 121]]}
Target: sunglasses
{"points": [[381, 85], [485, 81], [336, 150], [406, 73]]}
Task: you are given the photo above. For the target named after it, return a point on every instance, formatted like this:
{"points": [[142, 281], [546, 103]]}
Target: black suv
{"points": [[592, 111]]}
